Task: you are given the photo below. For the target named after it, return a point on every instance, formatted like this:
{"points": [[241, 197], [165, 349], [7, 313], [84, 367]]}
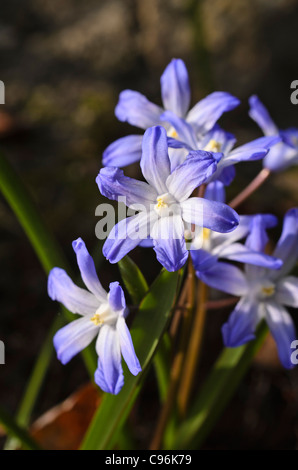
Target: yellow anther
{"points": [[206, 234], [268, 290], [161, 203], [213, 146], [173, 134], [96, 319]]}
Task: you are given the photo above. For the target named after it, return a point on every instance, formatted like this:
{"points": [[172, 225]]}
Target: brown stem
{"points": [[222, 303], [251, 188], [189, 290], [193, 351]]}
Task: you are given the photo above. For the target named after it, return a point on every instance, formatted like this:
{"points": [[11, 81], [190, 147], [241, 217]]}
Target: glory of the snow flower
{"points": [[102, 316]]}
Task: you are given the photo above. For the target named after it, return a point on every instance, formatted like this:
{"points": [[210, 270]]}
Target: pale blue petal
{"points": [[175, 89], [215, 191], [123, 151], [287, 246], [202, 260], [283, 331], [184, 130], [260, 115], [88, 271], [73, 338], [134, 108], [125, 236], [287, 291], [155, 162], [225, 139], [178, 144], [112, 183], [281, 157], [127, 348], [116, 297], [243, 254], [226, 278], [242, 230], [254, 150], [209, 214], [241, 325], [75, 299], [109, 373], [194, 171], [207, 111], [169, 242]]}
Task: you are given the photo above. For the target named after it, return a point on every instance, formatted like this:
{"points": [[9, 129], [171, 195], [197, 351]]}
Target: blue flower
{"points": [[264, 292], [135, 108], [102, 316], [166, 209], [219, 142], [208, 246], [285, 153]]}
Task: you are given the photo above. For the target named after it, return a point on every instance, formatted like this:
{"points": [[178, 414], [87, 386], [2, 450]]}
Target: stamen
{"points": [[96, 319], [213, 146], [267, 291]]}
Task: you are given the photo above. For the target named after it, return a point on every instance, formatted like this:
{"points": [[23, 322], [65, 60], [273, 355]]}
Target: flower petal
{"points": [[281, 157], [241, 325], [287, 246], [123, 151], [88, 271], [260, 115], [198, 167], [215, 191], [109, 373], [125, 236], [242, 230], [113, 184], [202, 260], [209, 214], [283, 330], [226, 175], [226, 278], [287, 291], [74, 337], [207, 111], [75, 299], [134, 108], [116, 297], [155, 162], [169, 242], [175, 87], [127, 348], [254, 150], [184, 130], [243, 254]]}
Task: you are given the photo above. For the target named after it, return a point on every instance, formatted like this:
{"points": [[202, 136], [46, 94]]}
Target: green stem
{"points": [[217, 390], [14, 429]]}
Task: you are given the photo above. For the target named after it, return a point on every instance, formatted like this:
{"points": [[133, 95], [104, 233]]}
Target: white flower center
{"points": [[266, 290], [213, 146], [166, 205], [104, 314]]}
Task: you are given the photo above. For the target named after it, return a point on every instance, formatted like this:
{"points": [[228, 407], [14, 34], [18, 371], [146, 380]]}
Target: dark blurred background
{"points": [[63, 65]]}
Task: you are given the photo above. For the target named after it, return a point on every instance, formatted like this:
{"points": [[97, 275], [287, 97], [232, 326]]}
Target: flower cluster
{"points": [[187, 161]]}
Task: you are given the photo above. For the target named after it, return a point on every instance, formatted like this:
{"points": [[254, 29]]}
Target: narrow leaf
{"points": [[147, 330], [133, 279], [217, 390]]}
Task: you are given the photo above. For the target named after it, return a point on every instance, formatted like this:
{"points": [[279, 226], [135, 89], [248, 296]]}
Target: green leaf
{"points": [[133, 279], [147, 330], [17, 431], [217, 390], [50, 255]]}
